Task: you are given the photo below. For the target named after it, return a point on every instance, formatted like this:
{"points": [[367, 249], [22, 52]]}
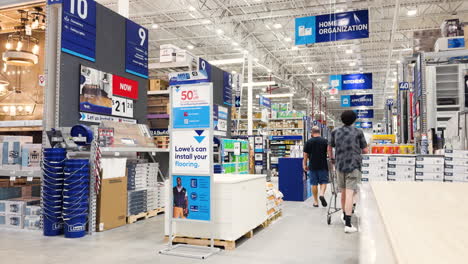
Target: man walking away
{"points": [[349, 144], [315, 162]]}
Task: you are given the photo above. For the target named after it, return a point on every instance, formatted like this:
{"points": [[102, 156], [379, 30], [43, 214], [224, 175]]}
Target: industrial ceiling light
{"points": [[278, 95], [349, 51], [294, 48], [398, 61], [191, 8], [412, 12], [277, 26], [259, 84], [219, 31], [155, 26], [190, 47], [352, 64], [288, 39], [235, 44], [319, 79]]}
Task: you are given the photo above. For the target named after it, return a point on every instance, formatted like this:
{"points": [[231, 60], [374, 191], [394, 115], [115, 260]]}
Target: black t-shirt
{"points": [[316, 147]]}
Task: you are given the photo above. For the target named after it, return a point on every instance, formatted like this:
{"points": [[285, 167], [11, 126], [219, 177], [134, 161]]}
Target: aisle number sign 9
{"points": [[136, 59]]}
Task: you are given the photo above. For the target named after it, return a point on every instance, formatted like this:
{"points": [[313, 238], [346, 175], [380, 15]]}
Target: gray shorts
{"points": [[349, 180]]}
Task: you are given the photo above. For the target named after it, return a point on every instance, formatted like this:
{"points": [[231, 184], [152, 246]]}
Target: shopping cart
{"points": [[332, 208]]}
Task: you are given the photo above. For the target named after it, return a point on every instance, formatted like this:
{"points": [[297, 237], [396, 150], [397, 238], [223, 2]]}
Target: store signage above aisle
{"points": [[53, 2], [227, 88], [364, 114], [363, 125], [266, 102], [389, 102], [136, 57], [404, 86], [285, 137], [93, 118], [332, 27], [191, 105], [220, 119], [79, 28], [205, 68], [180, 78], [237, 88], [357, 100], [358, 81]]}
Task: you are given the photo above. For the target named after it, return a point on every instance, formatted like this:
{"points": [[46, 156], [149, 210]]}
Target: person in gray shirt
{"points": [[349, 143]]}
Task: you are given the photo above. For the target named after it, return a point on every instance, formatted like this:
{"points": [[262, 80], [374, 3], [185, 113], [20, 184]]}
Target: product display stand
{"points": [[183, 132]]}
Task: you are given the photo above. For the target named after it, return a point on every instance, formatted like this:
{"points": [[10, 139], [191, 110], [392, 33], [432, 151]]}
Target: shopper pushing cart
{"points": [[349, 143]]}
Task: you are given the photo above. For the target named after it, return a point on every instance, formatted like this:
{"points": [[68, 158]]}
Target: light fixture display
{"points": [[17, 103]]}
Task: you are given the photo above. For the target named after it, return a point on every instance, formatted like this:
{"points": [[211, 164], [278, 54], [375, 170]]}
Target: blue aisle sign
{"points": [[456, 43], [357, 100], [204, 67], [227, 88], [136, 49], [79, 28], [266, 102], [389, 102], [364, 114], [52, 2], [363, 124], [358, 81], [404, 86], [332, 27], [181, 78]]}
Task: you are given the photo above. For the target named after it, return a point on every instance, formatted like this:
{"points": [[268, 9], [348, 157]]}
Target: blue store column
{"points": [[292, 179]]}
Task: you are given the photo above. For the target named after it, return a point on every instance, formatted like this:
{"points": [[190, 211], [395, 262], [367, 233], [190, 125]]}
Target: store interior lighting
{"points": [[17, 103], [154, 26], [190, 47], [268, 83], [349, 51], [227, 61], [278, 95], [288, 39], [277, 26], [412, 12]]}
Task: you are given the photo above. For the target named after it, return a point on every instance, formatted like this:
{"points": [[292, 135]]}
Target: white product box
{"points": [[33, 210], [184, 56], [2, 219], [14, 221], [429, 168], [168, 53], [401, 168], [407, 176], [456, 161], [3, 206], [374, 175], [402, 160], [15, 207], [32, 222], [31, 157], [434, 176], [455, 176], [456, 169], [429, 159], [455, 153], [374, 166], [370, 159]]}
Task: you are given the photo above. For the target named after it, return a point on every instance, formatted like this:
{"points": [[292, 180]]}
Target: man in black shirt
{"points": [[315, 162]]}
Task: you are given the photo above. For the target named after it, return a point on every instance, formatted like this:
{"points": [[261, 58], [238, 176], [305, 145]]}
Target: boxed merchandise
{"points": [[455, 153], [375, 166], [11, 151], [370, 159], [158, 84], [168, 53], [429, 159], [112, 198], [15, 207], [456, 161], [429, 168], [2, 219], [430, 176], [401, 168], [32, 222], [130, 134], [400, 176], [374, 175], [33, 210], [184, 56], [31, 157], [402, 160], [14, 221], [456, 169], [455, 177]]}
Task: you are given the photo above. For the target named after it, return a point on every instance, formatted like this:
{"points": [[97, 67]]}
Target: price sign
{"points": [[191, 106], [136, 59], [122, 107], [79, 28]]}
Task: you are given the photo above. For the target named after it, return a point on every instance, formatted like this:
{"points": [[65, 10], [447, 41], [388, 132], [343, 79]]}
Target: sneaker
{"points": [[324, 202], [350, 229], [342, 219]]}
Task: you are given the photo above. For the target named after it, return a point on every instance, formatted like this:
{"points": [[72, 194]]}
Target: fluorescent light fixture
{"points": [[190, 47], [288, 39], [352, 64], [277, 26], [255, 59], [227, 61], [278, 95], [155, 26], [295, 48], [206, 21], [268, 70], [412, 12], [339, 10], [319, 79], [259, 84], [219, 31], [234, 72], [310, 68], [349, 51], [235, 44], [398, 61], [191, 8]]}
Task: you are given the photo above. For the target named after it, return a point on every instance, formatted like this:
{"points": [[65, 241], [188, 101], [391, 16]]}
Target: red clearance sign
{"points": [[124, 87]]}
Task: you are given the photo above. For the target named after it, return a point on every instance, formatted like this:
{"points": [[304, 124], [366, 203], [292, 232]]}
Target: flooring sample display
{"points": [[425, 221]]}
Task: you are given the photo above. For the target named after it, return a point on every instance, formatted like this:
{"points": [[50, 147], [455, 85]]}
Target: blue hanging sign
{"points": [[53, 2], [285, 137], [204, 67], [357, 100], [332, 27], [404, 86], [227, 88], [136, 57], [180, 78], [79, 28], [364, 114], [358, 81], [389, 102], [266, 102], [363, 124]]}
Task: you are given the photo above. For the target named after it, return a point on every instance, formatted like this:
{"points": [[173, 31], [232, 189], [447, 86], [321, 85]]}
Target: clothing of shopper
{"points": [[180, 200], [349, 143], [315, 162]]}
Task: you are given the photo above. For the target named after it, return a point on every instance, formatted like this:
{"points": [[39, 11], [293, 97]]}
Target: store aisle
{"points": [[300, 236]]}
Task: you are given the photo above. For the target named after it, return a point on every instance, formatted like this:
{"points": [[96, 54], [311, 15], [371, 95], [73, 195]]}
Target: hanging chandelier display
{"points": [[21, 47]]}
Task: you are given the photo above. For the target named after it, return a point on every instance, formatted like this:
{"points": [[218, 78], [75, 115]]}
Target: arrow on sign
{"points": [[199, 139], [199, 132]]}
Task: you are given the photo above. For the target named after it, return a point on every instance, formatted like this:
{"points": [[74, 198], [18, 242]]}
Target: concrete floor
{"points": [[300, 236]]}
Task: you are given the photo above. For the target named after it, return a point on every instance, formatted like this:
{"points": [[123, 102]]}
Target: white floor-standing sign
{"points": [[191, 159]]}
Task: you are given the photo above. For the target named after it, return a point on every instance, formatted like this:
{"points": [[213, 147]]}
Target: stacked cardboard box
{"points": [[456, 165], [158, 105], [20, 213], [374, 167], [145, 193], [401, 168], [158, 85], [429, 168], [137, 202], [161, 141]]}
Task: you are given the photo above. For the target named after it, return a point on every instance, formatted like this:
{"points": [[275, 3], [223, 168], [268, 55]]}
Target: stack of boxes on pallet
{"points": [[161, 141], [145, 193], [401, 168], [158, 105], [429, 168], [20, 213], [456, 165], [374, 167]]}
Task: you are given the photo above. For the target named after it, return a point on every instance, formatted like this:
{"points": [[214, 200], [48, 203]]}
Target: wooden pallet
{"points": [[226, 244], [145, 215]]}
